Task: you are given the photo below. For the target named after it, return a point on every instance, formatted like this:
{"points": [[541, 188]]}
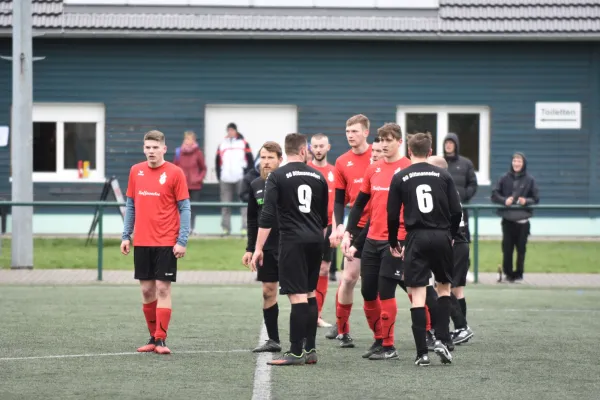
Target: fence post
{"points": [[100, 240], [476, 245]]}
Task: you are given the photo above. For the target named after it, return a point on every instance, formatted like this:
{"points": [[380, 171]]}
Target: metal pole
{"points": [[22, 132], [100, 241]]}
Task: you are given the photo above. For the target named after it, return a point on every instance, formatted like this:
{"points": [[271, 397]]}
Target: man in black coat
{"points": [[517, 190], [463, 173]]}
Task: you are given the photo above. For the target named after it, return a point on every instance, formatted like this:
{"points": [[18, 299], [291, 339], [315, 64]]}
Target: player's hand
{"points": [[509, 202], [179, 251], [522, 201], [396, 251], [346, 243], [340, 230], [350, 254], [246, 259], [257, 260], [334, 241], [125, 245]]}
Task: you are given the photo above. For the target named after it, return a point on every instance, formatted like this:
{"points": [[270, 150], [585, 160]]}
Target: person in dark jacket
{"points": [[516, 190], [251, 175], [462, 171]]}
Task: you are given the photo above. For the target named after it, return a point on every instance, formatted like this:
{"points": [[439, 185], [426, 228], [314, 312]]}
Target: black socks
{"points": [[298, 325], [271, 316]]}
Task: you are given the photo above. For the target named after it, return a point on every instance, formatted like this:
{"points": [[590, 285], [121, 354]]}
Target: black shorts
{"points": [[269, 270], [377, 259], [299, 265], [354, 234], [428, 251], [155, 263], [461, 264], [327, 249]]}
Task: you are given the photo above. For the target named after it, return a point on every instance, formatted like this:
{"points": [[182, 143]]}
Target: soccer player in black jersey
{"points": [[462, 332], [298, 194], [432, 215], [270, 159]]}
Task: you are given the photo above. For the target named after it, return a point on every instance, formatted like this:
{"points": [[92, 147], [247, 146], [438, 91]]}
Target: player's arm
{"points": [[268, 213], [252, 221], [324, 210], [185, 217], [357, 210], [394, 204], [456, 212], [129, 219], [359, 242], [338, 206]]}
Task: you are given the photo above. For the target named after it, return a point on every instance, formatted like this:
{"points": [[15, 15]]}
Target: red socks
{"points": [[373, 313], [150, 314], [163, 316], [343, 315], [389, 309], [322, 285]]}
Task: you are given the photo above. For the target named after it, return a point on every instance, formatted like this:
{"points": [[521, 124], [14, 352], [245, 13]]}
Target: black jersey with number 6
{"points": [[298, 195], [429, 197]]}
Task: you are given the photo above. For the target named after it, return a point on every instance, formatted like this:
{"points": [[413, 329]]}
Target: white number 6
{"points": [[424, 199], [304, 198]]}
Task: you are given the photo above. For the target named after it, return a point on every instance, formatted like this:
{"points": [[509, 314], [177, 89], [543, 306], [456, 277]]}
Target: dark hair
{"points": [[376, 140], [273, 147], [294, 142], [232, 126], [420, 144]]}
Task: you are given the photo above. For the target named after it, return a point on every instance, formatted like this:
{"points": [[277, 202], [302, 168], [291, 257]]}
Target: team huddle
{"points": [[405, 228]]}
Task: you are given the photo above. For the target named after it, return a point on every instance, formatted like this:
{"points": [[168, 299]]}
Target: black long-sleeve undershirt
{"points": [[357, 209]]}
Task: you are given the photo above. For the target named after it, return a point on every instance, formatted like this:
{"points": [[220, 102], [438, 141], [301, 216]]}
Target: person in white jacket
{"points": [[233, 159]]}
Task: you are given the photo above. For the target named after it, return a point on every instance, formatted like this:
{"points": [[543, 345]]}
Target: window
{"points": [[63, 135], [470, 123]]}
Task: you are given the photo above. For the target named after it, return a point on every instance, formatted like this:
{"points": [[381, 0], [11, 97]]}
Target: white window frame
{"points": [[72, 112], [483, 174]]}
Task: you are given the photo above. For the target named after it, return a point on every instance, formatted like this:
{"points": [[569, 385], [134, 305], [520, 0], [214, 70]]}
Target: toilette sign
{"points": [[558, 115]]}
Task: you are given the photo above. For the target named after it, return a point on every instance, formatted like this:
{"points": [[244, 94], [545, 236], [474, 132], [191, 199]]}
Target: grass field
{"points": [[225, 254], [529, 343]]}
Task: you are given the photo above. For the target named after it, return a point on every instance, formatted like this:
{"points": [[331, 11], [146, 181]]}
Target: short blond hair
{"points": [[359, 119], [155, 135]]}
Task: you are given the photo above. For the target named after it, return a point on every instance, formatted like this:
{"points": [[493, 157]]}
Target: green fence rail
{"points": [[101, 205]]}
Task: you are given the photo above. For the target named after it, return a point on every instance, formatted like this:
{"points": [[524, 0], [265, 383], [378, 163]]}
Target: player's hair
{"points": [[273, 147], [438, 161], [420, 144], [390, 129], [155, 135], [359, 119], [294, 142], [376, 140], [319, 136]]}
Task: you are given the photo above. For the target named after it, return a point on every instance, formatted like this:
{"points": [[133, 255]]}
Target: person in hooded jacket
{"points": [[463, 173], [190, 159], [517, 190]]}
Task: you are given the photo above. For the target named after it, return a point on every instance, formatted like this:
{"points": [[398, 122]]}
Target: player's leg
{"points": [[369, 288], [508, 245], [521, 244], [431, 314], [293, 282], [314, 263], [268, 274], [144, 272], [333, 266], [323, 283], [462, 332], [166, 273]]}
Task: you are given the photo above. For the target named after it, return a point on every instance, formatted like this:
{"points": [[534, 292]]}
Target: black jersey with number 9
{"points": [[429, 197], [298, 194]]}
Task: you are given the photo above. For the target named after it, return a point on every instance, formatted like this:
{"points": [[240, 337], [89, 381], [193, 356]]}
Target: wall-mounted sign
{"points": [[558, 115]]}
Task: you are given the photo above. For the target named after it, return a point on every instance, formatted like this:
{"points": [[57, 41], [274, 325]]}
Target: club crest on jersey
{"points": [[378, 169], [330, 176], [163, 178]]}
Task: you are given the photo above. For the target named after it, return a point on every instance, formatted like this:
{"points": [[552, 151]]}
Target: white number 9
{"points": [[424, 199], [304, 198]]}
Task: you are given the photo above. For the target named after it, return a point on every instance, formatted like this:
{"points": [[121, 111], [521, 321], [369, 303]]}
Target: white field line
{"points": [[131, 353], [262, 372]]}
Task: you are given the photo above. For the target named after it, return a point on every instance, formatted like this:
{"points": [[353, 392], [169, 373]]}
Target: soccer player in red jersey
{"points": [[380, 271], [376, 151], [158, 214], [320, 147], [349, 170]]}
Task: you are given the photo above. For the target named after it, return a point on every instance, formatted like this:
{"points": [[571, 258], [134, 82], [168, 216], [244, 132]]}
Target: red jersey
{"points": [[155, 193], [328, 172], [376, 183], [349, 172]]}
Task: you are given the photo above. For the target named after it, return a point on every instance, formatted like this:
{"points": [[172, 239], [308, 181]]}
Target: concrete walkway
{"points": [[89, 276]]}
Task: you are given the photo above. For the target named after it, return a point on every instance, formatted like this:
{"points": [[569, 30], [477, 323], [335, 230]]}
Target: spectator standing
{"points": [[463, 173], [233, 160], [190, 159], [517, 190]]}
